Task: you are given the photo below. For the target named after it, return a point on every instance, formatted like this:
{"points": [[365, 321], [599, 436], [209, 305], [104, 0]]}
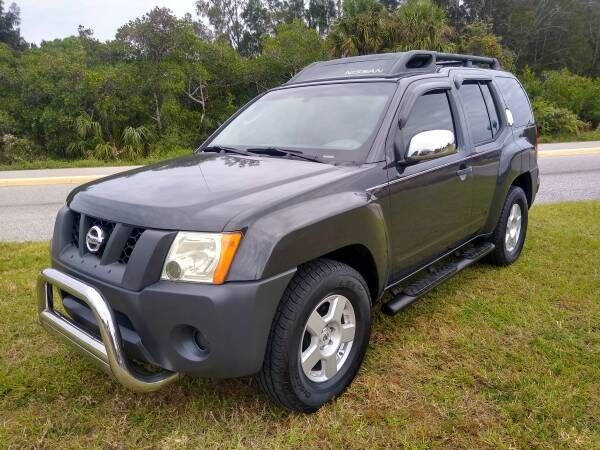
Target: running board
{"points": [[441, 273]]}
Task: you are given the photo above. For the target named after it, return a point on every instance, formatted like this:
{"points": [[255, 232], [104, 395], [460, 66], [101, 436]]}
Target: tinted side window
{"points": [[492, 108], [517, 101], [430, 112], [477, 115]]}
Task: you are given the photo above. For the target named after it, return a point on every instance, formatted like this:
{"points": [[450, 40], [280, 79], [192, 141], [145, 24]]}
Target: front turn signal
{"points": [[229, 245]]}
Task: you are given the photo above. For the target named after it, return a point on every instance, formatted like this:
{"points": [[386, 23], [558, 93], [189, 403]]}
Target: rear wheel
{"points": [[318, 338], [509, 236]]}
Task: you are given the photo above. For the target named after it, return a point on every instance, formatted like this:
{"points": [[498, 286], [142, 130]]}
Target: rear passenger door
{"points": [[487, 135]]}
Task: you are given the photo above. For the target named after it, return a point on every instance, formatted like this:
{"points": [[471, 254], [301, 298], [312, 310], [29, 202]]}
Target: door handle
{"points": [[464, 172]]}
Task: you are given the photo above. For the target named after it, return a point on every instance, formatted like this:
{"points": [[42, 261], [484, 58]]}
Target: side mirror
{"points": [[429, 145]]}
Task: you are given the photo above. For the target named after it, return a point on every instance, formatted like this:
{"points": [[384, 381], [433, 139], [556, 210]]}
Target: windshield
{"points": [[336, 122]]}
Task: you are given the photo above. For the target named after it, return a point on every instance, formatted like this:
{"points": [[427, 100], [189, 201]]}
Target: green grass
{"points": [[54, 163], [76, 163], [592, 135], [494, 358]]}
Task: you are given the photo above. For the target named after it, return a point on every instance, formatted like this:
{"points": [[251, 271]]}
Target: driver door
{"points": [[430, 199]]}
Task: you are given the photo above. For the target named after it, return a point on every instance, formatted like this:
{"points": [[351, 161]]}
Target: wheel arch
{"points": [[525, 182], [345, 227], [359, 257], [510, 171]]}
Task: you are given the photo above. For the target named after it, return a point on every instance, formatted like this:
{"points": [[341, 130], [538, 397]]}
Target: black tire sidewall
{"points": [[316, 394], [516, 195]]}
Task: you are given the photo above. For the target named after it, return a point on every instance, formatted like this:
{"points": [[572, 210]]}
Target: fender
{"points": [[288, 237], [511, 166]]}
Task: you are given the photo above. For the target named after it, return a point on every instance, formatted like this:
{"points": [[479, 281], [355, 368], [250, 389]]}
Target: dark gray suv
{"points": [[265, 252]]}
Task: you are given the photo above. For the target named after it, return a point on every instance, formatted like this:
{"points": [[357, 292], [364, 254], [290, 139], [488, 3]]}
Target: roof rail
{"points": [[388, 65], [465, 60]]}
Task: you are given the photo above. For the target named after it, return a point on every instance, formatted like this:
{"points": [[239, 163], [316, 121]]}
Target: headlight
{"points": [[201, 257]]}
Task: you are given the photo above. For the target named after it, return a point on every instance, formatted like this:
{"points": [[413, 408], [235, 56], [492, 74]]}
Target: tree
{"points": [[292, 10], [225, 16], [541, 33], [168, 82], [154, 44], [321, 14], [591, 20], [293, 47], [367, 27], [257, 21], [478, 39], [51, 93], [10, 32], [9, 81], [419, 24], [361, 29]]}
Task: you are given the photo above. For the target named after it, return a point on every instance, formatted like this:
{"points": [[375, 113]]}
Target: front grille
{"points": [[75, 229], [78, 226], [136, 233]]}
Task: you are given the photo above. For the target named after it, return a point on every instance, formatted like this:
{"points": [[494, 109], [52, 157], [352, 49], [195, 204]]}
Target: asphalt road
{"points": [[29, 200], [569, 178]]}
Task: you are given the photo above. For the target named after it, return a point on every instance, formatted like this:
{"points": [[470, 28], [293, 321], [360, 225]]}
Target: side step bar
{"points": [[107, 353], [423, 285]]}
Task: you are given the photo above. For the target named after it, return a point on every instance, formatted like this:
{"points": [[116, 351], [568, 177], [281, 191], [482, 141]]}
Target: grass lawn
{"points": [[592, 135], [77, 163], [506, 358]]}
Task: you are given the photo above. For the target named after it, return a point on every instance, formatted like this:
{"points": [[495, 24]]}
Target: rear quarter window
{"points": [[516, 100], [477, 113]]}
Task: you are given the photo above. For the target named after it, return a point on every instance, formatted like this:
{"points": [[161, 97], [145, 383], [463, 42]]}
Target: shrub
{"points": [[579, 94], [552, 119], [132, 144], [14, 150], [104, 151], [135, 142], [532, 83], [89, 136], [7, 123]]}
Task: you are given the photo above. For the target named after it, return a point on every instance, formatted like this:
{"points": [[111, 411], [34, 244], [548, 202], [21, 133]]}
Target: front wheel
{"points": [[318, 338], [509, 236]]}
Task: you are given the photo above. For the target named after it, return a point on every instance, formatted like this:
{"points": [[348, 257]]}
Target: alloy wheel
{"points": [[327, 338], [513, 228]]}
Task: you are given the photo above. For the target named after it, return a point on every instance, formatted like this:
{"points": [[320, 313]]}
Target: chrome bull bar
{"points": [[107, 353]]}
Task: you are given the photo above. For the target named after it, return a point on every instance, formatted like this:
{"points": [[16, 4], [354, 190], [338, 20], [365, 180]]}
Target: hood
{"points": [[201, 192]]}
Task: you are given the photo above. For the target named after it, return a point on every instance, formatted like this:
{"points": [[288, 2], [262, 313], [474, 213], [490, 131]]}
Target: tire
{"points": [[324, 287], [507, 250]]}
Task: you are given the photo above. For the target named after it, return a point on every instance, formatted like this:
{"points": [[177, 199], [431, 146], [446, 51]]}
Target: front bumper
{"points": [[107, 353], [233, 319]]}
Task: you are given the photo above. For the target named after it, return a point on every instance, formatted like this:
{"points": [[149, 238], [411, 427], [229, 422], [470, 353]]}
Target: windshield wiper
{"points": [[225, 149], [274, 151]]}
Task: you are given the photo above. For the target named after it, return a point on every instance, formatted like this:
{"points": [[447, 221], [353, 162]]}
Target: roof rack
{"points": [[388, 65], [465, 60]]}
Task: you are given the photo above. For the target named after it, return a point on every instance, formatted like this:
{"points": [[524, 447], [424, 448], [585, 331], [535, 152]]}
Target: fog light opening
{"points": [[190, 343], [201, 341]]}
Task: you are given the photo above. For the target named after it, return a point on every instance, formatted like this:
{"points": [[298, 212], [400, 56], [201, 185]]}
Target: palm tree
{"points": [[360, 30]]}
